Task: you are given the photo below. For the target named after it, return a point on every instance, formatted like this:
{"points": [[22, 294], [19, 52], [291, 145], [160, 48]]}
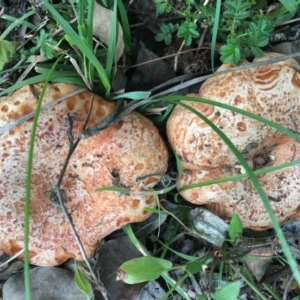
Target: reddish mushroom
{"points": [[271, 91], [119, 155]]}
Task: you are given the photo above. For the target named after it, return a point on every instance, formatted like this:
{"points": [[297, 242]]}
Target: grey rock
{"points": [[152, 291], [46, 283]]}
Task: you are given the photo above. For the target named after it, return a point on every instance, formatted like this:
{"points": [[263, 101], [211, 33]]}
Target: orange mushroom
{"points": [[119, 155], [271, 91]]}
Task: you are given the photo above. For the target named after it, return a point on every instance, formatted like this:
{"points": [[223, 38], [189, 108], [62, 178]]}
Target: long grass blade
{"points": [[235, 109], [125, 25], [28, 185], [215, 33], [258, 187], [112, 43], [83, 47], [290, 5], [17, 21]]}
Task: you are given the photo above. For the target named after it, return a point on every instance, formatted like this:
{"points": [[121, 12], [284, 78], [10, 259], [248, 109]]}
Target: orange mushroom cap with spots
{"points": [[271, 91], [119, 155]]}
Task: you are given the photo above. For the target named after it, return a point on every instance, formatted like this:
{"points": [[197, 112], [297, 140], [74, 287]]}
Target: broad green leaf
{"points": [[143, 269], [82, 282], [235, 227], [7, 49], [228, 292]]}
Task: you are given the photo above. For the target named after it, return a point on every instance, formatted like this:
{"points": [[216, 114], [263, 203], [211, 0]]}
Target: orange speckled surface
{"points": [[117, 155], [271, 91]]}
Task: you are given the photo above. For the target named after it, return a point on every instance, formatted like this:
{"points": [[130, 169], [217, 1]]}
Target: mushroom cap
{"points": [[271, 91], [118, 155]]}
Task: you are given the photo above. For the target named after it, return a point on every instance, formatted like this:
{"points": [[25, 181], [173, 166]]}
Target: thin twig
{"points": [[73, 145], [12, 258], [30, 67]]}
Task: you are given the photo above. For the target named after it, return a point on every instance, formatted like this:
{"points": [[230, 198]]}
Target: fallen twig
{"points": [[73, 145]]}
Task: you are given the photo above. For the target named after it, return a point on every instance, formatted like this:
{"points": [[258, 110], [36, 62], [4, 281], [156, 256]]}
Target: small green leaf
{"points": [[161, 8], [195, 266], [166, 33], [187, 30], [231, 52], [257, 52], [7, 49], [82, 282], [201, 297], [142, 269], [228, 292], [235, 228]]}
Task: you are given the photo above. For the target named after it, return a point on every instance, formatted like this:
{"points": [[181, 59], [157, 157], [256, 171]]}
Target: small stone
{"points": [[46, 283]]}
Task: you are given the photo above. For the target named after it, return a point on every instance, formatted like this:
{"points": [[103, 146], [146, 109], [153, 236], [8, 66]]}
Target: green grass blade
{"points": [[89, 36], [81, 10], [215, 33], [240, 176], [16, 22], [258, 188], [28, 185], [125, 25], [235, 109], [112, 43], [32, 80], [132, 95], [175, 286], [13, 19], [290, 5], [82, 46]]}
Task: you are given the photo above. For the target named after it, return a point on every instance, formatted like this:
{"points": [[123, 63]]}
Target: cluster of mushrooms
{"points": [[133, 149]]}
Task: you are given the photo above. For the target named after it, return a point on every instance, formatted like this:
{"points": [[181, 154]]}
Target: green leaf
{"points": [[82, 282], [160, 8], [187, 30], [201, 297], [257, 52], [228, 292], [231, 52], [235, 228], [7, 49], [195, 266], [143, 269], [166, 33]]}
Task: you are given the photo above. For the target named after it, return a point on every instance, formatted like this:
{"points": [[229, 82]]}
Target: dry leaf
{"points": [[103, 19]]}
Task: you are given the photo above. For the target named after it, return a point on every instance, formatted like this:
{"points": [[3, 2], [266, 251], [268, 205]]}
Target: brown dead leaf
{"points": [[111, 255], [103, 18]]}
